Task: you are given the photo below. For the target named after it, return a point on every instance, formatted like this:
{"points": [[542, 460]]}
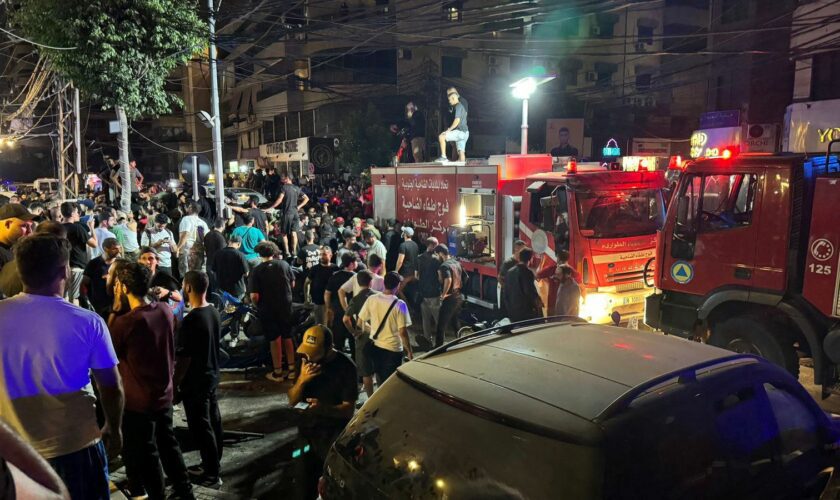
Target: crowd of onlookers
{"points": [[107, 322]]}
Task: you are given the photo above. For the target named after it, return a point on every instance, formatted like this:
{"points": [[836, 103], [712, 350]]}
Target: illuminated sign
{"points": [[611, 149], [711, 142]]}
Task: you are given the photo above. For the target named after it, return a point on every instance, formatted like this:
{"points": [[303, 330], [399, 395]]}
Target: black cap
{"points": [[15, 211]]}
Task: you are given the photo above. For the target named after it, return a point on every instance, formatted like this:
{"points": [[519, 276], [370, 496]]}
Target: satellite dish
{"points": [[204, 169], [539, 241]]}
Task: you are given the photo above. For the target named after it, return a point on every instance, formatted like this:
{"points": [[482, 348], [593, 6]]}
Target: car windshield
{"points": [[615, 214]]}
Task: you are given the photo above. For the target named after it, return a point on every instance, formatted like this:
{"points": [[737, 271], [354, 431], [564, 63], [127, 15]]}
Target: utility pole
{"points": [[77, 136], [62, 172], [217, 119]]}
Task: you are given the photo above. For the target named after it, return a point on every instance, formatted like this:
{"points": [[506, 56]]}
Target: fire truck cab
{"points": [[748, 259], [607, 220]]}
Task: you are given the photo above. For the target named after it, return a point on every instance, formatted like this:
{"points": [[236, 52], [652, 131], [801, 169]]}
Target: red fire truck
{"points": [[607, 220], [748, 259]]}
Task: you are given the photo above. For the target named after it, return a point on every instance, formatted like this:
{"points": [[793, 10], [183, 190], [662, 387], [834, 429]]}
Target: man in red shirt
{"points": [[143, 334]]}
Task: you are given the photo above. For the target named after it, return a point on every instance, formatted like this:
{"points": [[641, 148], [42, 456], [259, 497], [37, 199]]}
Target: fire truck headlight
{"points": [[596, 307]]}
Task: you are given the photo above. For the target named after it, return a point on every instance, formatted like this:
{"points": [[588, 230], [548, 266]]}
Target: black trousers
{"points": [[148, 441], [449, 310], [341, 335], [205, 424], [385, 362]]}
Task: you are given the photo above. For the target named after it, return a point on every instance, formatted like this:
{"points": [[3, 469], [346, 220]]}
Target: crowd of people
{"points": [[108, 323]]}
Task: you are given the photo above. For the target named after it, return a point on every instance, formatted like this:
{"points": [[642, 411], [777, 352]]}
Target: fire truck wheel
{"points": [[752, 335]]}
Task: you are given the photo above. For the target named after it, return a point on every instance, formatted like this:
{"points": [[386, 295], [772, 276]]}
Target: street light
{"points": [[522, 89]]}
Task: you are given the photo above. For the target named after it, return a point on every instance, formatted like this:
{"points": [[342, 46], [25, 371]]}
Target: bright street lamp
{"points": [[522, 89]]}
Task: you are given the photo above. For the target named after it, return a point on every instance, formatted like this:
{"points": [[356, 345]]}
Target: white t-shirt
{"points": [[164, 251], [48, 348], [102, 234], [379, 249], [377, 284], [374, 310], [190, 225]]}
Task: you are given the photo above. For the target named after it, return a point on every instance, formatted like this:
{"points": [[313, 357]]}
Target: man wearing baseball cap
{"points": [[326, 394], [15, 223]]}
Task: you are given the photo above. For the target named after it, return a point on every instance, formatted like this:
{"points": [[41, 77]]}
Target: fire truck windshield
{"points": [[617, 214]]}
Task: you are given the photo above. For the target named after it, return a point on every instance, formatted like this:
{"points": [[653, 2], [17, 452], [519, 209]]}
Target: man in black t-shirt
{"points": [[335, 313], [231, 267], [270, 286], [451, 299], [15, 223], [427, 272], [197, 377], [309, 254], [96, 277], [327, 385], [81, 237], [290, 201], [316, 283], [214, 241], [408, 252]]}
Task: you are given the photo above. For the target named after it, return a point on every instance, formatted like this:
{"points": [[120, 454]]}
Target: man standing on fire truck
{"points": [[458, 132]]}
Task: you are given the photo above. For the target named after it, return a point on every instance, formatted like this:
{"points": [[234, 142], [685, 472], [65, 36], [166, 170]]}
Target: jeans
{"points": [[85, 473], [449, 310], [429, 310], [148, 441], [205, 424], [385, 362]]}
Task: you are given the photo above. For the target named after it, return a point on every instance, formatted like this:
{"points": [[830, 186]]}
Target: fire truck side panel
{"points": [[771, 215], [822, 276], [384, 183], [427, 196]]}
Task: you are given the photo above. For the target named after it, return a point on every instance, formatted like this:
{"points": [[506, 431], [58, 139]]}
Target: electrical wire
{"points": [[18, 37], [168, 148]]}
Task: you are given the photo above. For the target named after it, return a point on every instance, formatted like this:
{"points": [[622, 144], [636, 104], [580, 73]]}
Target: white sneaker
{"points": [[442, 159]]}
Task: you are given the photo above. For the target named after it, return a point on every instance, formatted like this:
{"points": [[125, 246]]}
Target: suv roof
{"points": [[560, 378]]}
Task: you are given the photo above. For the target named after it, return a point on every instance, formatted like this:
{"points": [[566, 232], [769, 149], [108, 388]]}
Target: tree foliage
{"points": [[124, 49], [365, 140]]}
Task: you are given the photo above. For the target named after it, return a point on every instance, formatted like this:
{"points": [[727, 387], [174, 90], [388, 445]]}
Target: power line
{"points": [[18, 37]]}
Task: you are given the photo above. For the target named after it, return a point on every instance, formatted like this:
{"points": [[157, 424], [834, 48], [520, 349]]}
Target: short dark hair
{"points": [[267, 249], [247, 218], [51, 227], [364, 278], [193, 207], [442, 249], [346, 260], [525, 255], [254, 199], [374, 260], [110, 243], [392, 280], [519, 243], [41, 258], [566, 270], [309, 235], [348, 233], [147, 250], [562, 129], [562, 255], [367, 233], [67, 208], [234, 238], [219, 223], [135, 277], [198, 281]]}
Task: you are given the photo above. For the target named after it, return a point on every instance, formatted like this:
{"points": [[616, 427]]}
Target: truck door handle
{"points": [[742, 273]]}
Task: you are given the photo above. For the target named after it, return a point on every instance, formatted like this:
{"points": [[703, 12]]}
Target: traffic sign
{"points": [[204, 168]]}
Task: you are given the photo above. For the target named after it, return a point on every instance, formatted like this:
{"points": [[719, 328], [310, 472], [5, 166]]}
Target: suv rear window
{"points": [[408, 444]]}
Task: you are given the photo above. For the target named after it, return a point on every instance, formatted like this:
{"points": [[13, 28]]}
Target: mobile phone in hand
{"points": [[303, 405]]}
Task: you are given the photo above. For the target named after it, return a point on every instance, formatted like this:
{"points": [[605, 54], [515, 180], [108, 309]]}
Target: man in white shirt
{"points": [[107, 220], [162, 241], [126, 233], [375, 247], [192, 229], [389, 321], [353, 287], [48, 348]]}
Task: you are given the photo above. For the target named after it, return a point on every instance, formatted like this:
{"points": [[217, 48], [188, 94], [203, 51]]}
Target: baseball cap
{"points": [[316, 340], [407, 230], [15, 211], [339, 220]]}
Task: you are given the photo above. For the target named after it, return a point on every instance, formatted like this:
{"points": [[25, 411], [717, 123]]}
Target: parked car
{"points": [[566, 409], [237, 195]]}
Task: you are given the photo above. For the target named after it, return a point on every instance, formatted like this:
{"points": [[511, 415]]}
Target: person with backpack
{"points": [[192, 230], [389, 320], [364, 366], [450, 274]]}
